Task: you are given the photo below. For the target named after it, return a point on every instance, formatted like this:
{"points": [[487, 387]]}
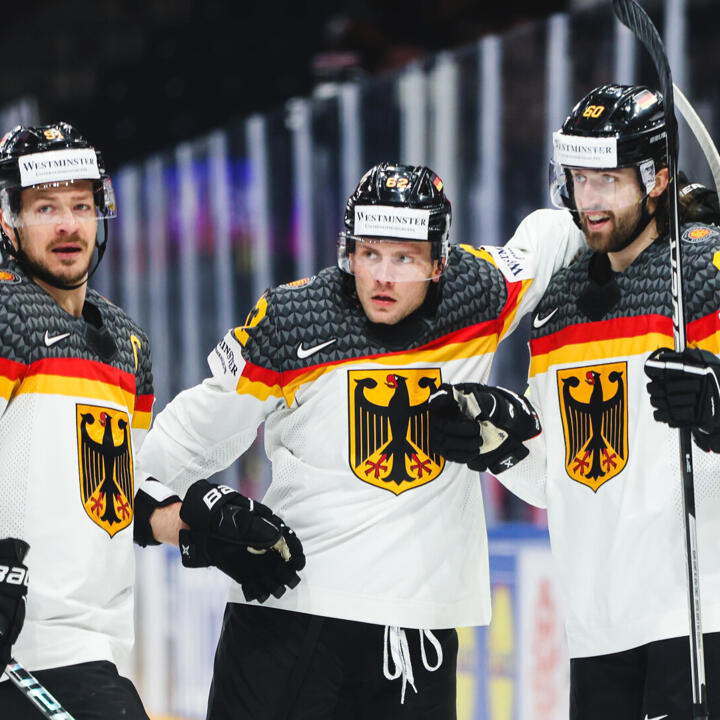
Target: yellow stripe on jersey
{"points": [[711, 343], [77, 387], [510, 316], [599, 350], [259, 390], [7, 387], [445, 353], [141, 420], [479, 252]]}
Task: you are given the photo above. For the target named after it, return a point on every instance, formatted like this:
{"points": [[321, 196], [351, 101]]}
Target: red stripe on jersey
{"points": [[144, 403], [11, 369], [513, 291], [703, 328], [601, 330], [85, 369], [463, 335], [257, 373], [271, 378]]}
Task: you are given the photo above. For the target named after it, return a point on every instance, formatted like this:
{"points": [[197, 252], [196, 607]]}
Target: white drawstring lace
{"points": [[396, 640]]}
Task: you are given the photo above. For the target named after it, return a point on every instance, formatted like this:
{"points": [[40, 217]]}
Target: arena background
{"points": [[212, 210]]}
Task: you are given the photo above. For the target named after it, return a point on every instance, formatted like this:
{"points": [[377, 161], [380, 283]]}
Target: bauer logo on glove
{"points": [[241, 537]]}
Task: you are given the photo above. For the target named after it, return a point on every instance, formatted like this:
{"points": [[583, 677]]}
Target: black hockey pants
{"points": [[650, 681], [281, 665], [88, 691]]}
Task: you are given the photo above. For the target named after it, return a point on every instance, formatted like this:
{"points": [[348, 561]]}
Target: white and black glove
{"points": [[481, 426], [241, 537], [13, 591], [685, 392]]}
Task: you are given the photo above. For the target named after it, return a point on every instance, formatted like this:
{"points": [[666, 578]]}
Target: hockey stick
{"points": [[701, 134], [637, 20], [36, 693]]}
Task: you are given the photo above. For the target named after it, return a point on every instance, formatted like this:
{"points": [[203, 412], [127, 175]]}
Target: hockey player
{"points": [[607, 473], [339, 368], [75, 403]]}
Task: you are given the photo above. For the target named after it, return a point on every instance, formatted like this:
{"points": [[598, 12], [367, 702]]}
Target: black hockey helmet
{"points": [[613, 126], [50, 156], [397, 202]]}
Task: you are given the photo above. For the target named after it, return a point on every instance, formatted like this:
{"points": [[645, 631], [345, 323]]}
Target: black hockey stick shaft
{"points": [[631, 14], [36, 693]]}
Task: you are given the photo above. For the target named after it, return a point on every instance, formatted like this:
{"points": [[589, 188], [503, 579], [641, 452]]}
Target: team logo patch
{"points": [[106, 466], [593, 405], [389, 427], [9, 277], [697, 234]]}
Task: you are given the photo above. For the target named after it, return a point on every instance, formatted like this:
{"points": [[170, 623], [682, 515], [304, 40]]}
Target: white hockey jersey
{"points": [[75, 402], [608, 473], [392, 534]]}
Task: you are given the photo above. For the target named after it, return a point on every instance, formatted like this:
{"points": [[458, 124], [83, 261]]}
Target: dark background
{"points": [[137, 77]]}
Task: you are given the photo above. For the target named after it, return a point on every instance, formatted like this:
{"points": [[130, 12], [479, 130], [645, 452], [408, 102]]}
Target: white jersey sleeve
{"points": [[205, 428], [544, 242]]}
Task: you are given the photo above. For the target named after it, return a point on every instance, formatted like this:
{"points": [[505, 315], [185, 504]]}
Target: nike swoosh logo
{"points": [[657, 717], [55, 338], [303, 353], [538, 322]]}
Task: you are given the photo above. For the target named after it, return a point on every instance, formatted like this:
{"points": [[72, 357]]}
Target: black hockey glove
{"points": [[241, 537], [13, 590], [685, 392], [481, 426]]}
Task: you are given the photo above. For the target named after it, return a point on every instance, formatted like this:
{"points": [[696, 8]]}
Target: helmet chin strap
{"points": [[640, 225], [32, 269]]}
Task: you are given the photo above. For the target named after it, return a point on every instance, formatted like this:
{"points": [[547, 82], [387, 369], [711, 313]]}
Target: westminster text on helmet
{"points": [[590, 152], [393, 222], [70, 164]]}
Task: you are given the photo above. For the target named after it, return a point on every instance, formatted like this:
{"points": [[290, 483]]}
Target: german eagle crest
{"points": [[389, 427], [593, 405], [106, 466]]}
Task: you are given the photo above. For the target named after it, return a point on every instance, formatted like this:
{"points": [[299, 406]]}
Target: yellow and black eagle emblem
{"points": [[593, 404], [106, 466], [389, 427]]}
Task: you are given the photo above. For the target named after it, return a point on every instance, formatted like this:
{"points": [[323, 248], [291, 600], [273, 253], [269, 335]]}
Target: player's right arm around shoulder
{"points": [[549, 240]]}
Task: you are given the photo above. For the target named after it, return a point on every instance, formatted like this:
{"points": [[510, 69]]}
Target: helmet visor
{"points": [[52, 203], [587, 173], [600, 190], [388, 260]]}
